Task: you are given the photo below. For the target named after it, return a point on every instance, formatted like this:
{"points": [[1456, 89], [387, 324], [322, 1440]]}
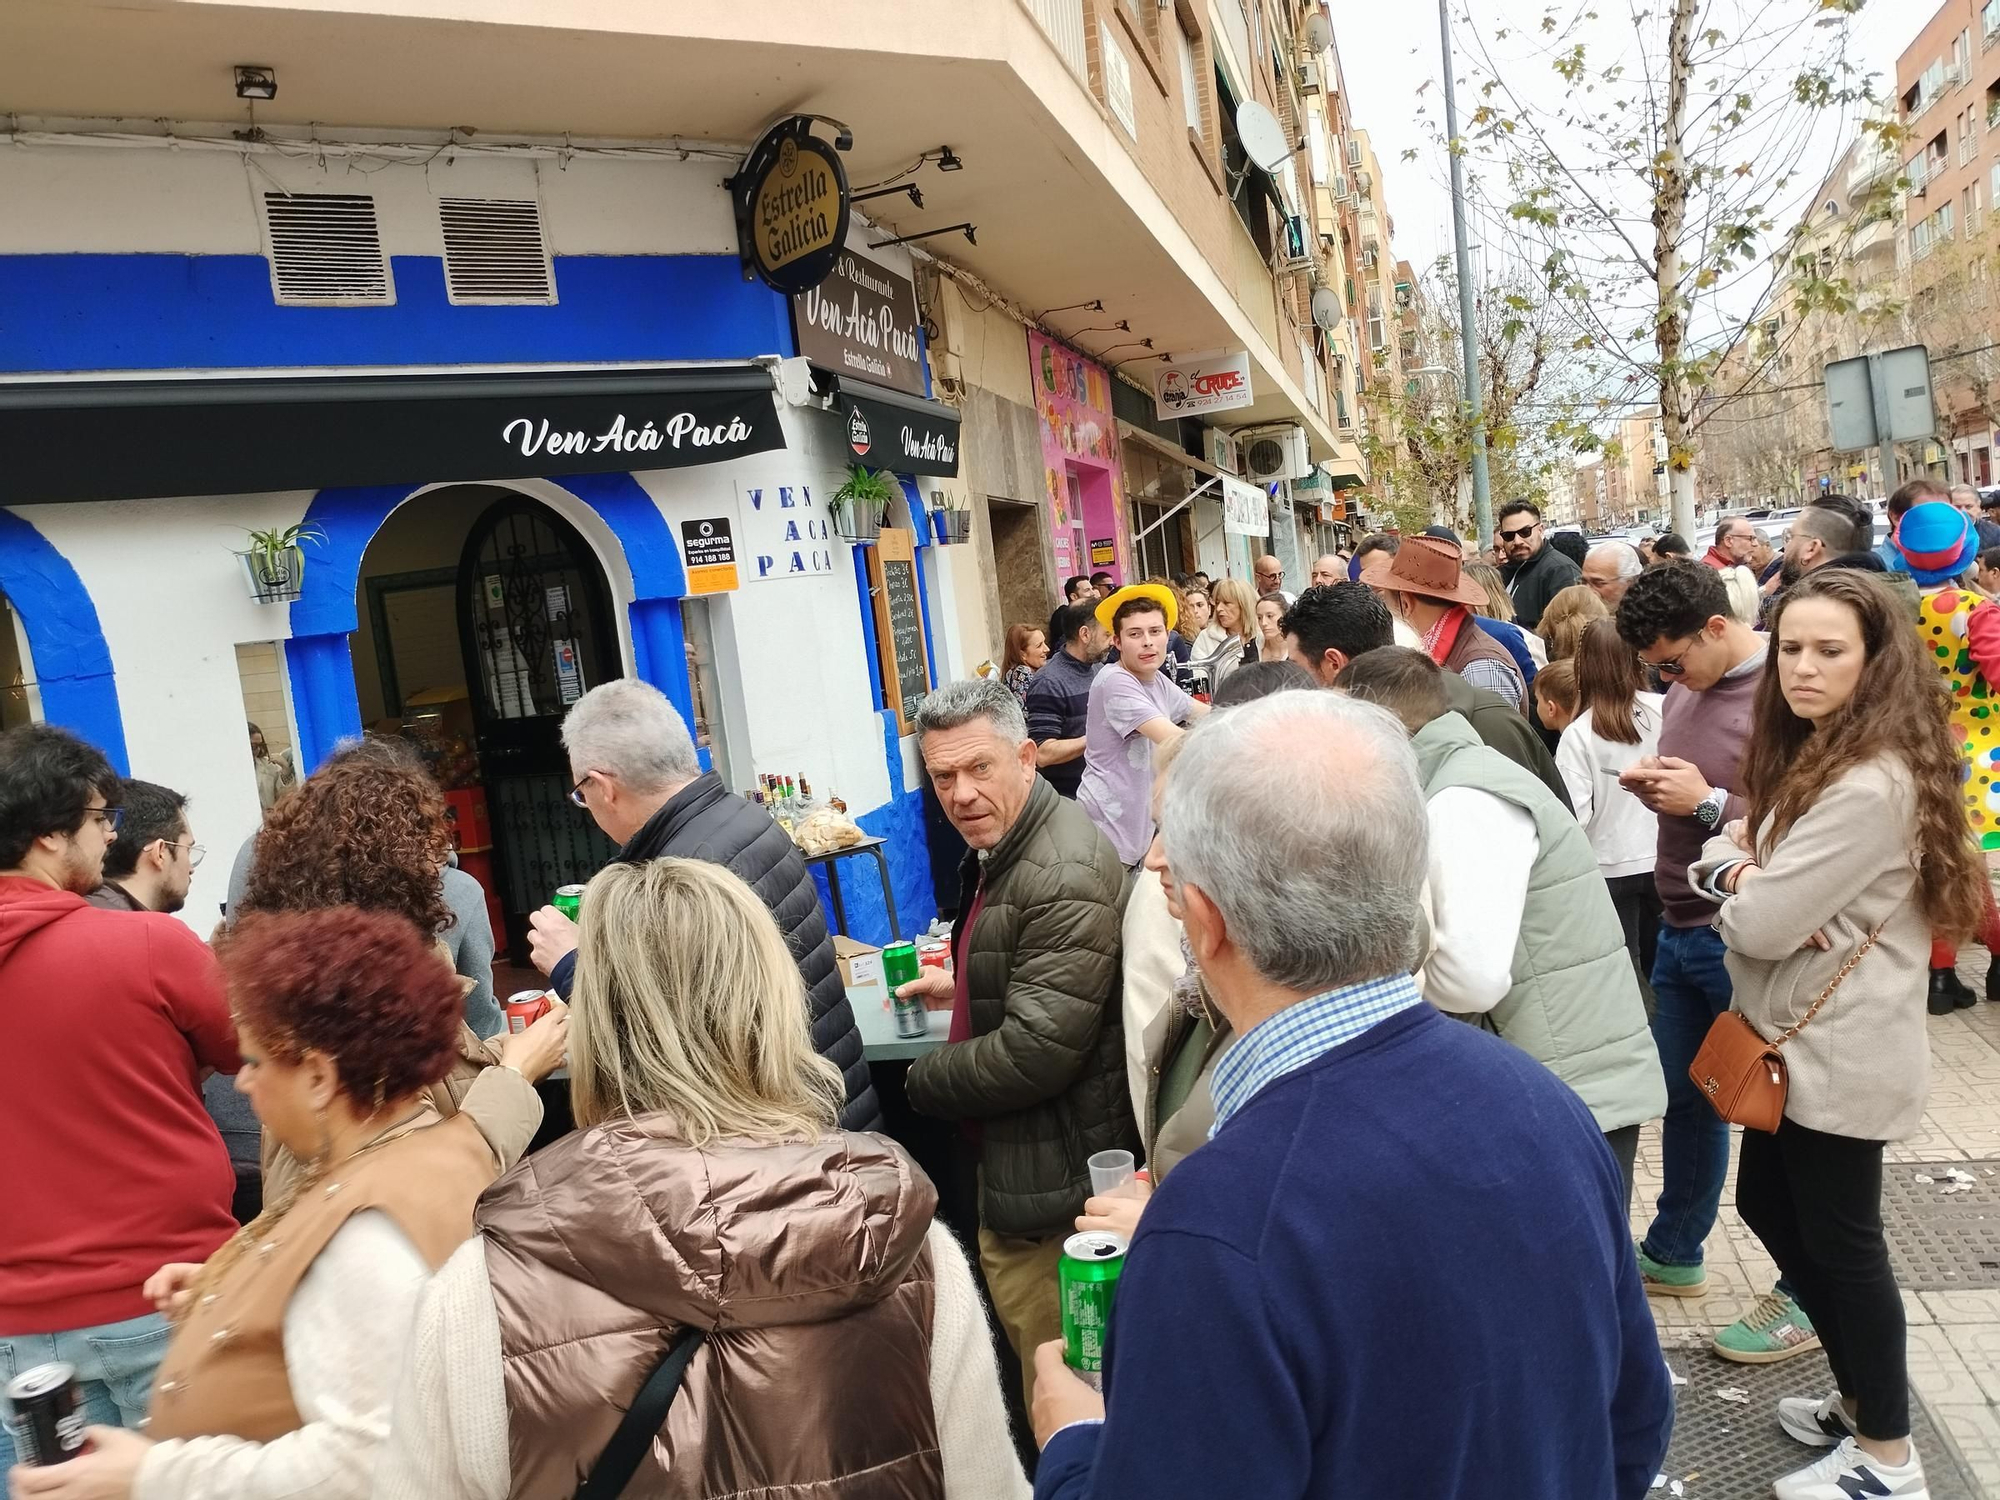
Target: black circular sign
{"points": [[857, 432], [792, 208]]}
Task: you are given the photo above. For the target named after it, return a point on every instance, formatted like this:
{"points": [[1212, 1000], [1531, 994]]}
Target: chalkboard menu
{"points": [[899, 623]]}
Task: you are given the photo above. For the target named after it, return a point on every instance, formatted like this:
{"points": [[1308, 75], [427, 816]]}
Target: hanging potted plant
{"points": [[951, 517], [275, 562], [861, 502]]}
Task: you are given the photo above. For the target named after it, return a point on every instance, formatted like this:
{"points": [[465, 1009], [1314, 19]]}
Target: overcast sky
{"points": [[1388, 52]]}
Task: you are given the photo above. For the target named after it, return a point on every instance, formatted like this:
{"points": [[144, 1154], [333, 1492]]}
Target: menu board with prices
{"points": [[899, 623]]}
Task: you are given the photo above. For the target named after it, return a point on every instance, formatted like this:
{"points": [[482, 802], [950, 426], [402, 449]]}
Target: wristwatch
{"points": [[1709, 811]]}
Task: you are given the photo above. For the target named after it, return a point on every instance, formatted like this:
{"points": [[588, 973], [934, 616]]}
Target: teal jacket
{"points": [[1575, 1004]]}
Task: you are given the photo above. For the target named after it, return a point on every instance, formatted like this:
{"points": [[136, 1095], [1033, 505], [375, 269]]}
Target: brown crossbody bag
{"points": [[1742, 1075]]}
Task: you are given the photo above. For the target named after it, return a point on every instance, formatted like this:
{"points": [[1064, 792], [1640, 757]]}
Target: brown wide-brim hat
{"points": [[1425, 565]]}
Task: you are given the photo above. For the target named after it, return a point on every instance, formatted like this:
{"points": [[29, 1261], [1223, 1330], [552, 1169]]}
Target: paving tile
{"points": [[1947, 1308], [1915, 1312], [1978, 1345], [1975, 1430], [1938, 1371]]}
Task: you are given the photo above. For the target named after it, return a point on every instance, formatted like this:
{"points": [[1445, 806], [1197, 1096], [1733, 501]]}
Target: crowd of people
{"points": [[1376, 920]]}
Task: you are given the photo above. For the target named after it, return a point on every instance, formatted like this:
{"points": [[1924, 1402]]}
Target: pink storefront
{"points": [[1086, 492]]}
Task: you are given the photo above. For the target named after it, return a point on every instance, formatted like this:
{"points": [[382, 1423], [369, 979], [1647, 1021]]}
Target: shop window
{"points": [[20, 698], [704, 683], [267, 706]]}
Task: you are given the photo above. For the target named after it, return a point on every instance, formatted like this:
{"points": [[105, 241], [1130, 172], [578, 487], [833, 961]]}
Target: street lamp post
{"points": [[1468, 333]]}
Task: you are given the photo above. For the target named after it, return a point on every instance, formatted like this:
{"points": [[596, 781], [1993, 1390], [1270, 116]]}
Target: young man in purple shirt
{"points": [[1133, 707]]}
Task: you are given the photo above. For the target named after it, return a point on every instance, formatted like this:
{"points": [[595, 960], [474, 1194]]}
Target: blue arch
{"points": [[324, 616], [72, 663]]}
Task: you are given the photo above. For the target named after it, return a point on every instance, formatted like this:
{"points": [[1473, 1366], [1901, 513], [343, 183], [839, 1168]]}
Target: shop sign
{"points": [[1244, 512], [569, 671], [862, 321], [1103, 552], [137, 439], [792, 208], [1202, 383], [907, 439], [710, 553], [786, 533]]}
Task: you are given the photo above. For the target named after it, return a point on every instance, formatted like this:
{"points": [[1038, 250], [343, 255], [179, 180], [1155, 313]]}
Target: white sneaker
{"points": [[1849, 1474], [1817, 1424]]}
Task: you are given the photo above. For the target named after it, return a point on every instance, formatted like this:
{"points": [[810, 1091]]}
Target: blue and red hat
{"points": [[1936, 543]]}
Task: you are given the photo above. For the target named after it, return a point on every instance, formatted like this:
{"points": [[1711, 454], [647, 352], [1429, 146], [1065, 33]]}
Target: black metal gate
{"points": [[535, 624]]}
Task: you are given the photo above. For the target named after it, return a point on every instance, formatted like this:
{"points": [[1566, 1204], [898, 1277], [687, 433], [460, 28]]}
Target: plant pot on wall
{"points": [[274, 565], [859, 504], [952, 526]]}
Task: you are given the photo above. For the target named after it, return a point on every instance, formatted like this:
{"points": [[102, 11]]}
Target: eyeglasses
{"points": [[1521, 535], [195, 852], [1673, 666], [576, 792], [110, 817]]}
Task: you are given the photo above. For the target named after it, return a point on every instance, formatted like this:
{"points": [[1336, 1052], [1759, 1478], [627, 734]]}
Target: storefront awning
{"points": [[892, 430], [141, 439]]}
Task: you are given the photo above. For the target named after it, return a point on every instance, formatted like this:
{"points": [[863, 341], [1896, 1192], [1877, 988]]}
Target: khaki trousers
{"points": [[1021, 1279]]}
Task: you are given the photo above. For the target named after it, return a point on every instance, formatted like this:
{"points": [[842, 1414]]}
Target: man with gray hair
{"points": [[1399, 1266], [1609, 569], [1036, 1058], [637, 775]]}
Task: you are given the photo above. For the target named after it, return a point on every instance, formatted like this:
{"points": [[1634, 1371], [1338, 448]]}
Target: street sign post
{"points": [[1878, 401]]}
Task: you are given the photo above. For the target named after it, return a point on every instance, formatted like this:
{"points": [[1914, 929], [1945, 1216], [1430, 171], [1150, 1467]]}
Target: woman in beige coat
{"points": [[1854, 852]]}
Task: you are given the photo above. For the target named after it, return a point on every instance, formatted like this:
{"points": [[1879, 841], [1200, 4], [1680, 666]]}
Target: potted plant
{"points": [[860, 504], [275, 561], [951, 517]]}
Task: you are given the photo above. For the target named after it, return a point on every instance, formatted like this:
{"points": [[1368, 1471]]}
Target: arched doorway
{"points": [[482, 616]]}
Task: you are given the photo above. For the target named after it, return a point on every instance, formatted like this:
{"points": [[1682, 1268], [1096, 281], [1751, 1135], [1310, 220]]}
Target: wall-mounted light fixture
{"points": [[969, 230], [254, 82], [948, 160], [916, 196]]}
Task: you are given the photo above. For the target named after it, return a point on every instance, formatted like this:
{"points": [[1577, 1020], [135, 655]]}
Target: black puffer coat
{"points": [[1044, 1069], [707, 821]]}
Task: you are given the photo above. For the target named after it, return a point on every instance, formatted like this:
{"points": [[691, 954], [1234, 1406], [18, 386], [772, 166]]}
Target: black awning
{"points": [[139, 439], [893, 430]]}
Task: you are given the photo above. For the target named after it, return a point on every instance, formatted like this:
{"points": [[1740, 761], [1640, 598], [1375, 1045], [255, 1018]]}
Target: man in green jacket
{"points": [[1036, 1059]]}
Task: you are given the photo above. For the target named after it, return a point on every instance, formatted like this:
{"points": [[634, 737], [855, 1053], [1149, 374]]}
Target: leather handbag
{"points": [[1742, 1076]]}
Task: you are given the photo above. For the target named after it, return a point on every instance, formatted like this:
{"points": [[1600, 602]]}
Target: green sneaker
{"points": [[1672, 1281], [1776, 1328]]}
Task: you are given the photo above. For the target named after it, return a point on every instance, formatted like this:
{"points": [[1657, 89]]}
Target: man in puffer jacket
{"points": [[635, 770], [1036, 1060]]}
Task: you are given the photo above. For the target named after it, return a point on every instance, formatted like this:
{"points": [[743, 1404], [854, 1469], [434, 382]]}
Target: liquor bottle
{"points": [[806, 803]]}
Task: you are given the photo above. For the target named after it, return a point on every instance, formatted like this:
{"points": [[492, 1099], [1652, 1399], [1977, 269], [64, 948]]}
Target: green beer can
{"points": [[1088, 1276], [900, 965], [568, 900]]}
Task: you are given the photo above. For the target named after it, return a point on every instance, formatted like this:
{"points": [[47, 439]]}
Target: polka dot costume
{"points": [[1975, 706]]}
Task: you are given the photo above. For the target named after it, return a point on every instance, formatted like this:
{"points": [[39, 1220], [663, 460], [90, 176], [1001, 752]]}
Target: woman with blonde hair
{"points": [[1567, 614], [1497, 620], [1219, 647], [289, 1340], [780, 1284]]}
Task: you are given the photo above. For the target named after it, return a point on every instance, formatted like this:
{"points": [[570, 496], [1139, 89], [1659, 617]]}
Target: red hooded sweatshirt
{"points": [[109, 1165]]}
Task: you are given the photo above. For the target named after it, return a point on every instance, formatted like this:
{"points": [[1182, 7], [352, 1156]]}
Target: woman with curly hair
{"points": [[1854, 852], [369, 831], [289, 1339]]}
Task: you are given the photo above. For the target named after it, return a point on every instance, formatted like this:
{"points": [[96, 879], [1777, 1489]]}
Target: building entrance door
{"points": [[536, 630]]}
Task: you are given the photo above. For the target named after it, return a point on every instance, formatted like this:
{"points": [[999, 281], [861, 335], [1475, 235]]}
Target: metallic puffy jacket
{"points": [[804, 1261]]}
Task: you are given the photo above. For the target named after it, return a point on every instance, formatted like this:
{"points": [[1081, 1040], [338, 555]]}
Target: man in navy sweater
{"points": [[1400, 1267]]}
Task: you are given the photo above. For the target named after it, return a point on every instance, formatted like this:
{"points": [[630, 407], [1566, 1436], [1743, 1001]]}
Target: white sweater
{"points": [[1482, 851], [449, 1440], [1623, 831], [345, 1331]]}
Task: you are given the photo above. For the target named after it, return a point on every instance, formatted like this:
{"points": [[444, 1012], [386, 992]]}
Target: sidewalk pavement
{"points": [[1954, 1335]]}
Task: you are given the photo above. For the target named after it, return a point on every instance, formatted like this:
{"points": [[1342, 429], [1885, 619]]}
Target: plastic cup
{"points": [[1111, 1173]]}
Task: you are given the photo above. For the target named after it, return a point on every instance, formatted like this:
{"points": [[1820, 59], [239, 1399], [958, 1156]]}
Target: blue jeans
{"points": [[1692, 989], [114, 1368]]}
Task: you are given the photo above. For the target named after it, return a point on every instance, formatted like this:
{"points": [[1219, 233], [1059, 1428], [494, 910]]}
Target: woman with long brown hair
{"points": [[1617, 723], [1855, 850], [1027, 649], [369, 831]]}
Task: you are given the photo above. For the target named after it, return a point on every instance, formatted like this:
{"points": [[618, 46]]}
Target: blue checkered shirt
{"points": [[1300, 1034]]}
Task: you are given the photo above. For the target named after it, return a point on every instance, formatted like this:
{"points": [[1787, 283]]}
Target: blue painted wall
{"points": [[72, 665], [900, 820], [166, 312]]}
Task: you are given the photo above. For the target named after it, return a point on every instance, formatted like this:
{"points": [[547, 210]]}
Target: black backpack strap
{"points": [[642, 1422]]}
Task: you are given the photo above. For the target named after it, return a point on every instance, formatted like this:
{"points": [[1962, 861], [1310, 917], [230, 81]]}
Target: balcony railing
{"points": [[1062, 22], [1968, 147]]}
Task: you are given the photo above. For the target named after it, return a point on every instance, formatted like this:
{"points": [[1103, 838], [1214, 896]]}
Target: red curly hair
{"points": [[365, 988], [361, 831]]}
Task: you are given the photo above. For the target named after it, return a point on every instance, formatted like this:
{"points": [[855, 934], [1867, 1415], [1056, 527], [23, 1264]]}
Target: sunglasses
{"points": [[1520, 535], [1673, 666]]}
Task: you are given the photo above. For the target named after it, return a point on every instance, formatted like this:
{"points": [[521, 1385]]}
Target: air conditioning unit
{"points": [[1354, 153], [1341, 191], [1279, 452], [1952, 77], [1298, 244], [1364, 182], [1309, 77], [1222, 450]]}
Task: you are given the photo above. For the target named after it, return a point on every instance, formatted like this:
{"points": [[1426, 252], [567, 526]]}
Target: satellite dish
{"points": [[1319, 33], [1262, 136], [1326, 307]]}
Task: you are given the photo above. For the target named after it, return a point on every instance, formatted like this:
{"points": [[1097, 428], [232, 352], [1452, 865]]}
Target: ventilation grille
{"points": [[326, 248], [494, 252]]}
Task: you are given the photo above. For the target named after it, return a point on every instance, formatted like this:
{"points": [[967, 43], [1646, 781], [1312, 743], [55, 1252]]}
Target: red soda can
{"points": [[524, 1008]]}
